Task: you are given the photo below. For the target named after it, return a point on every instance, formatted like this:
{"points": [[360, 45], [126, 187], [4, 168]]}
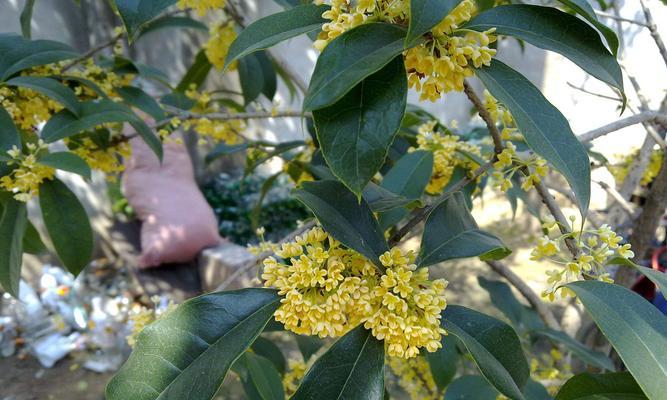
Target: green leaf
{"points": [[141, 100], [264, 378], [273, 29], [636, 329], [424, 15], [353, 368], [50, 88], [19, 54], [444, 362], [612, 386], [494, 346], [536, 391], [178, 100], [173, 22], [342, 215], [268, 75], [32, 241], [583, 8], [594, 358], [9, 134], [522, 317], [267, 349], [554, 30], [350, 58], [86, 82], [12, 227], [223, 149], [67, 224], [64, 124], [308, 345], [356, 132], [190, 349], [26, 18], [197, 72], [451, 232], [135, 14], [380, 199], [251, 76], [66, 161], [546, 130], [470, 387], [657, 277]]}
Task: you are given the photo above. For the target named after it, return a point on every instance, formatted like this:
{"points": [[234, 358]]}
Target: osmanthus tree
{"points": [[374, 170]]}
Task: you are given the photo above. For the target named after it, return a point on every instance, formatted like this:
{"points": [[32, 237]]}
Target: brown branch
{"points": [[529, 294], [484, 114]]}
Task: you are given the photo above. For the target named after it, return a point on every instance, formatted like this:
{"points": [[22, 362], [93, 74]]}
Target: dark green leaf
{"points": [[135, 14], [19, 53], [612, 386], [141, 100], [594, 358], [546, 130], [522, 317], [66, 161], [552, 29], [308, 345], [342, 215], [536, 391], [190, 349], [470, 387], [267, 349], [451, 232], [636, 329], [444, 362], [257, 210], [178, 100], [12, 227], [353, 368], [494, 346], [223, 149], [64, 124], [68, 225], [350, 58], [583, 8], [355, 133], [657, 277], [268, 75], [87, 83], [264, 378], [424, 15], [26, 18], [32, 241], [273, 29], [380, 199], [251, 76], [196, 74], [9, 135], [173, 22], [50, 88]]}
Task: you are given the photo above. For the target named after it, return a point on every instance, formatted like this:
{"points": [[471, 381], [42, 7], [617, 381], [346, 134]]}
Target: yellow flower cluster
{"points": [[27, 173], [106, 159], [502, 116], [329, 289], [448, 153], [140, 319], [509, 162], [221, 37], [296, 369], [107, 80], [27, 107], [596, 246], [415, 378], [621, 168], [227, 131], [436, 66], [294, 168], [202, 6], [551, 368]]}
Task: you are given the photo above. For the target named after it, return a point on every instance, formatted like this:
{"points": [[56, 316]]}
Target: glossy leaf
{"points": [[451, 232], [594, 358], [264, 378], [583, 8], [342, 215], [273, 29], [521, 316], [190, 350], [494, 346], [612, 386], [554, 30], [424, 15], [137, 13], [50, 88], [353, 368], [223, 149], [19, 54], [546, 130], [636, 329], [26, 18], [9, 134], [267, 349], [251, 75], [67, 223], [356, 132], [173, 22], [32, 241], [66, 161], [470, 387], [444, 362], [13, 224], [141, 100], [269, 75], [348, 59], [64, 124], [196, 74], [657, 277], [381, 200], [308, 345]]}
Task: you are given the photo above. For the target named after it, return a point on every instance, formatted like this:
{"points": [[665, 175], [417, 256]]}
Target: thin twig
{"points": [[93, 51], [558, 215], [252, 263], [533, 299], [650, 23], [619, 18], [232, 116], [645, 116], [600, 95], [625, 205]]}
